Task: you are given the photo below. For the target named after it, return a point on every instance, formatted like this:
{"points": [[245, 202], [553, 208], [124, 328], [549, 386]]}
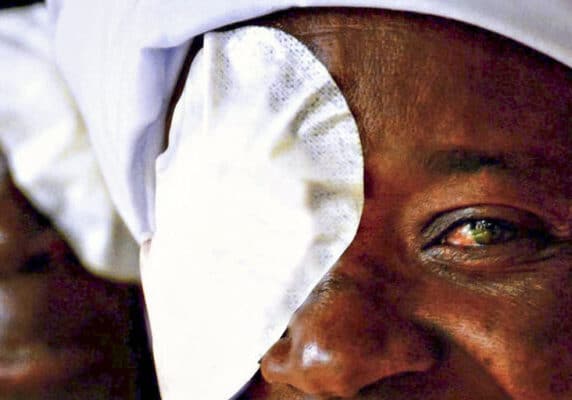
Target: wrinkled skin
{"points": [[64, 334], [458, 126]]}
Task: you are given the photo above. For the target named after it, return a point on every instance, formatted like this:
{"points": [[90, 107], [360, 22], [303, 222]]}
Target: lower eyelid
{"points": [[513, 256]]}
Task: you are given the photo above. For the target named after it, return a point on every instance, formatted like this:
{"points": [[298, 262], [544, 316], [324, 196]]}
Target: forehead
{"points": [[431, 82]]}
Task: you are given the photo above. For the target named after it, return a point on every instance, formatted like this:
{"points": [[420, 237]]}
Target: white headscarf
{"points": [[122, 58], [48, 150]]}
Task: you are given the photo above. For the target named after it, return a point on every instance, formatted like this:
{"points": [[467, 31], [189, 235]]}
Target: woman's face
{"points": [[458, 284], [64, 334]]}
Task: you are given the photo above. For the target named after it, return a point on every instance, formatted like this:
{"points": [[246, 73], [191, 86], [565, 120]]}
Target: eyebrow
{"points": [[466, 161]]}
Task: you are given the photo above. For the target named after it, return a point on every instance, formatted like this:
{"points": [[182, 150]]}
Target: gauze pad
{"points": [[48, 149], [258, 194]]}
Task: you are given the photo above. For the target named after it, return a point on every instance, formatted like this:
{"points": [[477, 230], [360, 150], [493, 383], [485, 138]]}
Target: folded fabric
{"points": [[48, 150], [122, 59]]}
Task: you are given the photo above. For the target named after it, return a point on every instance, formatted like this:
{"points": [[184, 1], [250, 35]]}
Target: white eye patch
{"points": [[258, 194]]}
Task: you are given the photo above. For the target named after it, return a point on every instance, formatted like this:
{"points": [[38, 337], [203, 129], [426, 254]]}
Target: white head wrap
{"points": [[217, 297], [122, 59], [48, 150]]}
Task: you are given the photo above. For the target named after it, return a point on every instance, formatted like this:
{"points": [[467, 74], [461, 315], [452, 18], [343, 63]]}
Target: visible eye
{"points": [[482, 232], [486, 238]]}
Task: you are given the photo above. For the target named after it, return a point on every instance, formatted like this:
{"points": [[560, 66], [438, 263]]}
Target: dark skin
{"points": [[64, 334], [458, 284]]}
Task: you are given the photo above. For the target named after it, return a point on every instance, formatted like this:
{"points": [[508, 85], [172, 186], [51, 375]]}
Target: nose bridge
{"points": [[344, 338]]}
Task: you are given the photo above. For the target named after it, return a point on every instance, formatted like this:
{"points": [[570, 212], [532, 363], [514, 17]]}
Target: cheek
{"points": [[519, 331]]}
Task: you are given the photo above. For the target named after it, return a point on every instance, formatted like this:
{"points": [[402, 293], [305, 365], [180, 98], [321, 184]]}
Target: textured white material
{"points": [[48, 149], [122, 59], [258, 194]]}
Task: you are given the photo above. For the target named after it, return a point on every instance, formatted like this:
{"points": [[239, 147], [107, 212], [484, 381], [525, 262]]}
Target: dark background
{"points": [[17, 3]]}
